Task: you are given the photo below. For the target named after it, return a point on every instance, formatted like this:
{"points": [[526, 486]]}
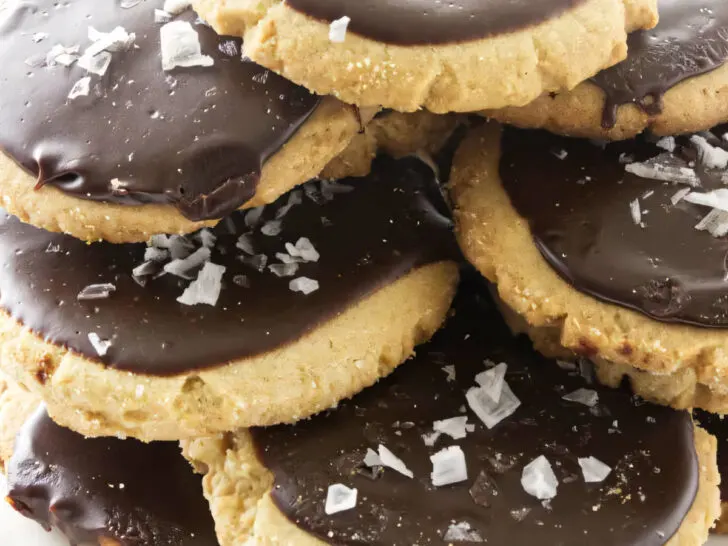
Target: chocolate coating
{"points": [[192, 137], [422, 22], [390, 222], [652, 485], [97, 488], [690, 39], [578, 210]]}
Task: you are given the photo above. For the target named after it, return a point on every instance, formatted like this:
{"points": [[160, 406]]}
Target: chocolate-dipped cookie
{"points": [[276, 314], [463, 56], [477, 439], [101, 491], [121, 121], [612, 251], [718, 427], [673, 81]]}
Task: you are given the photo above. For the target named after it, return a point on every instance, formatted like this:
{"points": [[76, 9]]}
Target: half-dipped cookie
{"points": [[674, 80], [119, 121], [612, 251], [462, 55], [478, 439], [276, 314], [101, 491]]}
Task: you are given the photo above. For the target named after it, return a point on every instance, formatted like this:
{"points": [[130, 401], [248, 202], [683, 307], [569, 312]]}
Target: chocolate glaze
{"points": [[578, 209], [717, 425], [691, 39], [193, 137], [392, 221], [642, 502], [124, 490], [422, 22]]}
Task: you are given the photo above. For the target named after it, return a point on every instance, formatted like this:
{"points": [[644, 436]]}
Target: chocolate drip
{"points": [[192, 137], [123, 490], [578, 209], [423, 22], [368, 232], [691, 39], [642, 502]]}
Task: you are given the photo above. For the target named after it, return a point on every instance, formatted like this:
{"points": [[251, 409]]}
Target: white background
{"points": [[18, 531]]}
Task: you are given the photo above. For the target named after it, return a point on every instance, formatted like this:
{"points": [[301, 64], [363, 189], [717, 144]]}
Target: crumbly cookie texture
{"points": [[498, 242], [16, 405], [697, 104], [333, 362], [506, 70], [237, 486], [326, 134]]}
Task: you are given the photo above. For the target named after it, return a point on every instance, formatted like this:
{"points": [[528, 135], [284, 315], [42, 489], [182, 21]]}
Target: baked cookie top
{"points": [[639, 223], [420, 22], [427, 470], [690, 39], [106, 488], [130, 105], [258, 281]]}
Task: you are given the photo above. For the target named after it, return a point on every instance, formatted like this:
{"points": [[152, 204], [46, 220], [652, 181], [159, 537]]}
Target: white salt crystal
{"points": [[340, 498], [181, 46], [303, 285], [390, 460], [593, 470], [492, 380], [587, 397], [338, 28], [538, 479], [80, 89], [101, 346], [205, 289], [488, 411], [448, 466], [455, 427]]}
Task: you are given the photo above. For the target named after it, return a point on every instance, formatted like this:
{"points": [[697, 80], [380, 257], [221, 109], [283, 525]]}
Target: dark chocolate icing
{"points": [[717, 425], [642, 502], [578, 209], [421, 22], [390, 222], [134, 493], [690, 39], [194, 137]]}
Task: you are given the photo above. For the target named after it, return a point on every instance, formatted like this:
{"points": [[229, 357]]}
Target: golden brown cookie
{"points": [[391, 467], [678, 339], [458, 56], [674, 81], [119, 135], [276, 314]]}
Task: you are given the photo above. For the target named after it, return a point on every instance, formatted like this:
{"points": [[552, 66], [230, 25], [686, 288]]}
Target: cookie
{"points": [[276, 314], [126, 143], [459, 56], [445, 463], [101, 491], [674, 81], [605, 250], [396, 134]]}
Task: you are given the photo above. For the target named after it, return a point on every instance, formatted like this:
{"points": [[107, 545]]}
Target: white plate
{"points": [[18, 531]]}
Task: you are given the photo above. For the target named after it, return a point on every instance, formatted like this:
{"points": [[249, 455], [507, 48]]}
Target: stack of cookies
{"points": [[265, 281]]}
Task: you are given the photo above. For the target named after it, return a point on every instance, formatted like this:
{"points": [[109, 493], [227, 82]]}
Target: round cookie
{"points": [[101, 491], [600, 261], [119, 146], [674, 81], [277, 314], [661, 486], [460, 56]]}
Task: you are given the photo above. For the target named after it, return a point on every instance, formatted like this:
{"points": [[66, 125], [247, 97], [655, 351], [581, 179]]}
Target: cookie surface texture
{"points": [[399, 55]]}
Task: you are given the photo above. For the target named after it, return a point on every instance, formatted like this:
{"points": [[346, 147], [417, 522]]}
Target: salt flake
{"points": [[181, 46], [593, 469], [538, 479], [488, 411], [340, 498], [338, 28], [587, 397], [101, 346], [390, 460], [205, 289], [448, 466]]}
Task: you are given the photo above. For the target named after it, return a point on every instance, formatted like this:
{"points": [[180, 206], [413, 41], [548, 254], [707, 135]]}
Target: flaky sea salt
{"points": [[712, 157], [205, 289], [715, 223], [338, 28], [304, 285], [390, 460], [538, 479], [448, 466], [175, 7], [183, 267], [455, 427], [340, 498], [96, 291], [462, 532], [491, 381], [489, 411], [303, 249], [101, 346], [181, 46], [81, 88], [593, 470], [635, 212], [587, 397], [717, 199]]}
